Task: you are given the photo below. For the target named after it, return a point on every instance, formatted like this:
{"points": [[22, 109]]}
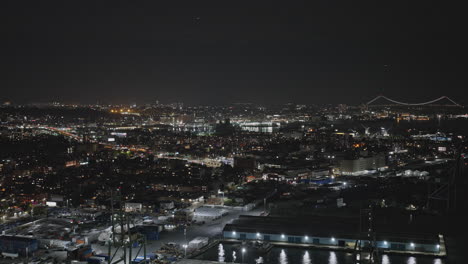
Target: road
{"points": [[209, 229]]}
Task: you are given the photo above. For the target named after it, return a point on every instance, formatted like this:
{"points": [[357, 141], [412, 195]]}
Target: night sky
{"points": [[217, 52]]}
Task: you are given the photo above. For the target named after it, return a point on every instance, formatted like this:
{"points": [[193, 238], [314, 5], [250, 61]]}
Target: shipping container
{"points": [[81, 253], [95, 260], [105, 256]]}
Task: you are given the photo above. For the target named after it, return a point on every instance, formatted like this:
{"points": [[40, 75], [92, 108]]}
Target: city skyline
{"points": [[378, 101], [253, 132]]}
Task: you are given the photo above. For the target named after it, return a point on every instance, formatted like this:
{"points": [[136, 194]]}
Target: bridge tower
{"points": [[450, 190]]}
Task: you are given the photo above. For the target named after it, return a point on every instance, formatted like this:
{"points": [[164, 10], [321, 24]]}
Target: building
{"points": [[361, 165], [208, 213], [166, 205], [86, 213], [332, 231], [133, 207], [151, 232], [49, 232], [297, 175], [22, 246]]}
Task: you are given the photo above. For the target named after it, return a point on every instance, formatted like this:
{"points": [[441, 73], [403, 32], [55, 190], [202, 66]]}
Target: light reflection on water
{"points": [[385, 259], [231, 253], [283, 259], [221, 253], [411, 260], [306, 258], [332, 258]]}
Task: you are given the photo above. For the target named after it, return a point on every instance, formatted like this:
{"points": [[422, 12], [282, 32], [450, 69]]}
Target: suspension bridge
{"points": [[431, 102]]}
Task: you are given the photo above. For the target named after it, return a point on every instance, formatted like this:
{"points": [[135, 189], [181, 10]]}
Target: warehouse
{"points": [[330, 231], [49, 232], [22, 246]]}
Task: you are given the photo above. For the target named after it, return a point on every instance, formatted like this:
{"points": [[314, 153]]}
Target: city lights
{"points": [[152, 132]]}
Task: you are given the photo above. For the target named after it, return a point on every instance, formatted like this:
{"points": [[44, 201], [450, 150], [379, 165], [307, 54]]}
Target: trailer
{"points": [[10, 255]]}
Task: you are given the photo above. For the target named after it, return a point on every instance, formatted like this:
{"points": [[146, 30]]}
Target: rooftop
{"points": [[386, 226]]}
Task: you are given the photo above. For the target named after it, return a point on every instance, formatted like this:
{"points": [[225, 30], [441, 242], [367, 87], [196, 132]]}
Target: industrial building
{"points": [[48, 232], [22, 246], [151, 232], [361, 165], [335, 232]]}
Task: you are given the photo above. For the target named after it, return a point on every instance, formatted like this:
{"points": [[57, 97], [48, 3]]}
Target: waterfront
{"points": [[232, 253]]}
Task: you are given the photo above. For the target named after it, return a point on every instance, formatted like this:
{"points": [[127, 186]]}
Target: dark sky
{"points": [[215, 52]]}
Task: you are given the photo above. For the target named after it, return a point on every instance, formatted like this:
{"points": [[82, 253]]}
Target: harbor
{"points": [[229, 252]]}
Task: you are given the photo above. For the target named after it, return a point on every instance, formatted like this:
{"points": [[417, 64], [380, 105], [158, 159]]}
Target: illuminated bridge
{"points": [[434, 102]]}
